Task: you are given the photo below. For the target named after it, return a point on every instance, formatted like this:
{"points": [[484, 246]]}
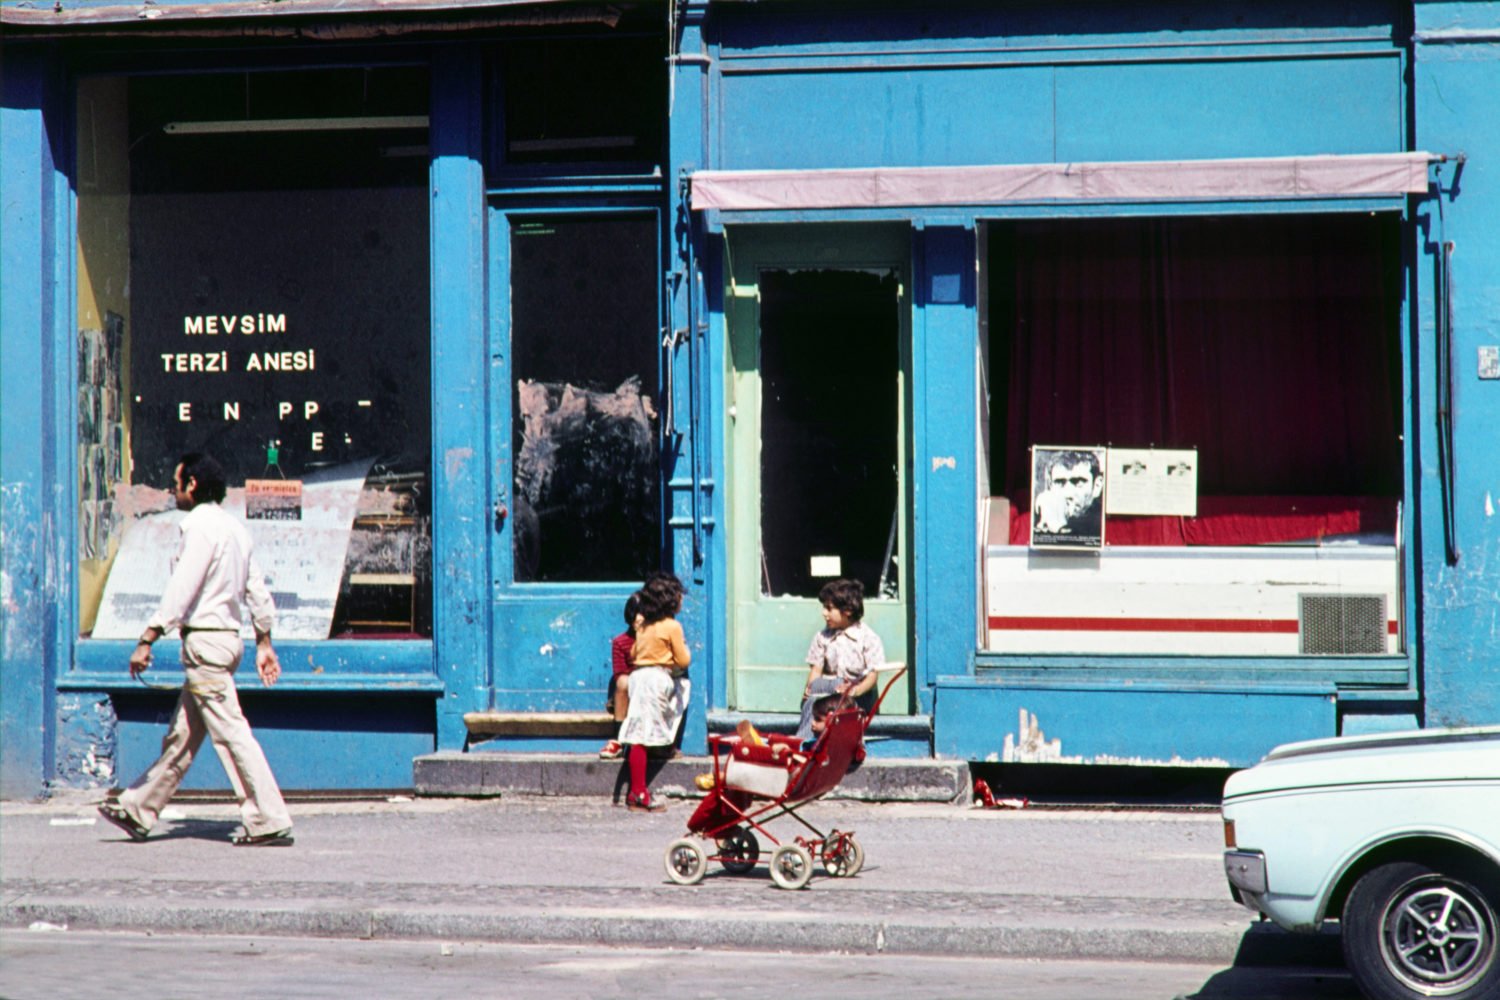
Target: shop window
{"points": [[254, 283], [585, 339], [830, 395], [1220, 399], [580, 101], [1268, 345]]}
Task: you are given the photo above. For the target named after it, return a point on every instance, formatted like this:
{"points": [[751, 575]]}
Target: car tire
{"points": [[1414, 930]]}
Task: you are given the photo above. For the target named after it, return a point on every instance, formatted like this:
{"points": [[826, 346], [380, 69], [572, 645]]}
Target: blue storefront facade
{"points": [[493, 308]]}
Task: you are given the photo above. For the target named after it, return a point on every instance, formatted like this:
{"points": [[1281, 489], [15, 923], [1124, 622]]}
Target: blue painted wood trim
{"points": [[695, 507], [34, 196], [1392, 671], [120, 681], [1128, 724], [328, 663], [462, 504], [945, 479]]}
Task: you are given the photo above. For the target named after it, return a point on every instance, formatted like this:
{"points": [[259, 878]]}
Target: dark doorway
{"points": [[830, 382]]}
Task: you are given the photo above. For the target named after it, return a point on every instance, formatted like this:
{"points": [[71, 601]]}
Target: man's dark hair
{"points": [[632, 608], [661, 597], [846, 595], [1069, 459], [209, 474]]}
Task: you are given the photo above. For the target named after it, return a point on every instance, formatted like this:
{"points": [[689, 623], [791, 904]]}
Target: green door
{"points": [[818, 427]]}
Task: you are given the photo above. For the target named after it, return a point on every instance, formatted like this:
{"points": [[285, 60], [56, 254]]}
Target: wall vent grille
{"points": [[1341, 624]]}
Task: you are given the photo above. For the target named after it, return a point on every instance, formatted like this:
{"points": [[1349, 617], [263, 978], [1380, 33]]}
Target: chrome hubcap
{"points": [[1438, 939]]}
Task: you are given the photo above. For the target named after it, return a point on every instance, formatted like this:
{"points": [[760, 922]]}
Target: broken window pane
{"points": [[584, 350]]}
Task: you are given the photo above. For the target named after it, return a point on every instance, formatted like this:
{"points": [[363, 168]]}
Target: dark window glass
{"points": [[579, 101]]}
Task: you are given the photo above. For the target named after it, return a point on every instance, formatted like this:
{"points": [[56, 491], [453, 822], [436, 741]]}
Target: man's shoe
{"points": [[119, 817], [281, 838]]}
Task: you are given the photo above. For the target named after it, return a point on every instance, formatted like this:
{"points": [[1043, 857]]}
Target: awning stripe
{"points": [[1165, 180]]}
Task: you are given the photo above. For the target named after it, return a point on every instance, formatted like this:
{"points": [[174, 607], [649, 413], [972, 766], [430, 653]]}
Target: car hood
{"points": [[1422, 755]]}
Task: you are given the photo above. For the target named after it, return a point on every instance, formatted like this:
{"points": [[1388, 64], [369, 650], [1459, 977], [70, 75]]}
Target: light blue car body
{"points": [[1312, 816]]}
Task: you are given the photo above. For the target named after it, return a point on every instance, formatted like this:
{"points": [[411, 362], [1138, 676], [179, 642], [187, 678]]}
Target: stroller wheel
{"points": [[685, 861], [842, 856], [791, 866], [738, 850]]}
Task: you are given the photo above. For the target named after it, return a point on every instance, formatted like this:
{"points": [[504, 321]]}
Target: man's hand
{"points": [[140, 660], [267, 664], [1052, 512]]}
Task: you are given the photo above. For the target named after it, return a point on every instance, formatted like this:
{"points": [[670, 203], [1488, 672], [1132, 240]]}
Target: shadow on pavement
{"points": [[1272, 964], [192, 829]]}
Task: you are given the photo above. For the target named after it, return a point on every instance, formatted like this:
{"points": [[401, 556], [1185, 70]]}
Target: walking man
{"points": [[214, 578]]}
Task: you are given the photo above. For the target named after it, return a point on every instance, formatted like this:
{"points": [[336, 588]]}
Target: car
{"points": [[1394, 835]]}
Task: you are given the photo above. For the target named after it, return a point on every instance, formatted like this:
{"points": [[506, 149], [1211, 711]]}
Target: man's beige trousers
{"points": [[210, 706]]}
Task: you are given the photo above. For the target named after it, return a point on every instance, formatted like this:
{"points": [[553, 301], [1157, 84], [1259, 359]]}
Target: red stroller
{"points": [[754, 784]]}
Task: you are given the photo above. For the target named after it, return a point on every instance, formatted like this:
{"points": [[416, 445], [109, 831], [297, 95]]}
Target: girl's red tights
{"points": [[637, 759]]}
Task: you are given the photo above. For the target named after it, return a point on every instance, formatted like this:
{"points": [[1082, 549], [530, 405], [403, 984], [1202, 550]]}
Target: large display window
{"points": [[254, 283], [1218, 401]]}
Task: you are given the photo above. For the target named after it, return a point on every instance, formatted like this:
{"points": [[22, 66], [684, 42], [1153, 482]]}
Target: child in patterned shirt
{"points": [[843, 657]]}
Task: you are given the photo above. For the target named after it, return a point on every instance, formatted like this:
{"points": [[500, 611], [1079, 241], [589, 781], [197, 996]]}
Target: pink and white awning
{"points": [[1368, 175]]}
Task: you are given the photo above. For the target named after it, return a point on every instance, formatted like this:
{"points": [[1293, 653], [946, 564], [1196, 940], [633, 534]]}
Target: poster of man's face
{"points": [[1067, 497]]}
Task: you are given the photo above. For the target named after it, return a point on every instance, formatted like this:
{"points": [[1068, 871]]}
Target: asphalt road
{"points": [[92, 965]]}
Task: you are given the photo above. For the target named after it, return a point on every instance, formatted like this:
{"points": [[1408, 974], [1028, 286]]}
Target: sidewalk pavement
{"points": [[938, 879]]}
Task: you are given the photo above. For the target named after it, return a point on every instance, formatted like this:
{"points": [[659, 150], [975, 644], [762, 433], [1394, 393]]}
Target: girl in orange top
{"points": [[659, 685]]}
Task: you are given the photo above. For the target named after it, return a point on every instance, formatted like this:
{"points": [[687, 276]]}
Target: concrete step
{"points": [[888, 736], [484, 772]]}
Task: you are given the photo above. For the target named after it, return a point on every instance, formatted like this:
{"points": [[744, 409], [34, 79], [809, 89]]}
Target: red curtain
{"points": [[1268, 343]]}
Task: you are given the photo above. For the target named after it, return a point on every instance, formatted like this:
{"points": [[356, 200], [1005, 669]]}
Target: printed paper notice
{"points": [[1156, 481]]}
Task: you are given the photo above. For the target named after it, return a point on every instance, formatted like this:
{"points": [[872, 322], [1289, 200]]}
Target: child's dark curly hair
{"points": [[661, 597], [846, 595]]}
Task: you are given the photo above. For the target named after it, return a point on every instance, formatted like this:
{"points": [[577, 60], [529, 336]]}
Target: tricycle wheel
{"points": [[685, 861], [738, 850], [842, 855], [791, 866]]}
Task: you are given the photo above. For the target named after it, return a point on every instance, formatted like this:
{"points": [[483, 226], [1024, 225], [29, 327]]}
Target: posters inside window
{"points": [[266, 296], [1067, 507]]}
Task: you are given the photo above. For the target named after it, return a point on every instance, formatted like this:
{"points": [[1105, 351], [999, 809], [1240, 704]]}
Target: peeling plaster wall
{"points": [[86, 741]]}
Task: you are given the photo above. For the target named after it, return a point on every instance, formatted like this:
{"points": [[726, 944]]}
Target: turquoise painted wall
{"points": [[1456, 80]]}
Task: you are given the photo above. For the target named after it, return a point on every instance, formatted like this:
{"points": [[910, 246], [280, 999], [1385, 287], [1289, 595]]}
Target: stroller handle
{"points": [[885, 690]]}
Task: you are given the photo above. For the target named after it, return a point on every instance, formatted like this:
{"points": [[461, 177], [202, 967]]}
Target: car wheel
{"points": [[1412, 930]]}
